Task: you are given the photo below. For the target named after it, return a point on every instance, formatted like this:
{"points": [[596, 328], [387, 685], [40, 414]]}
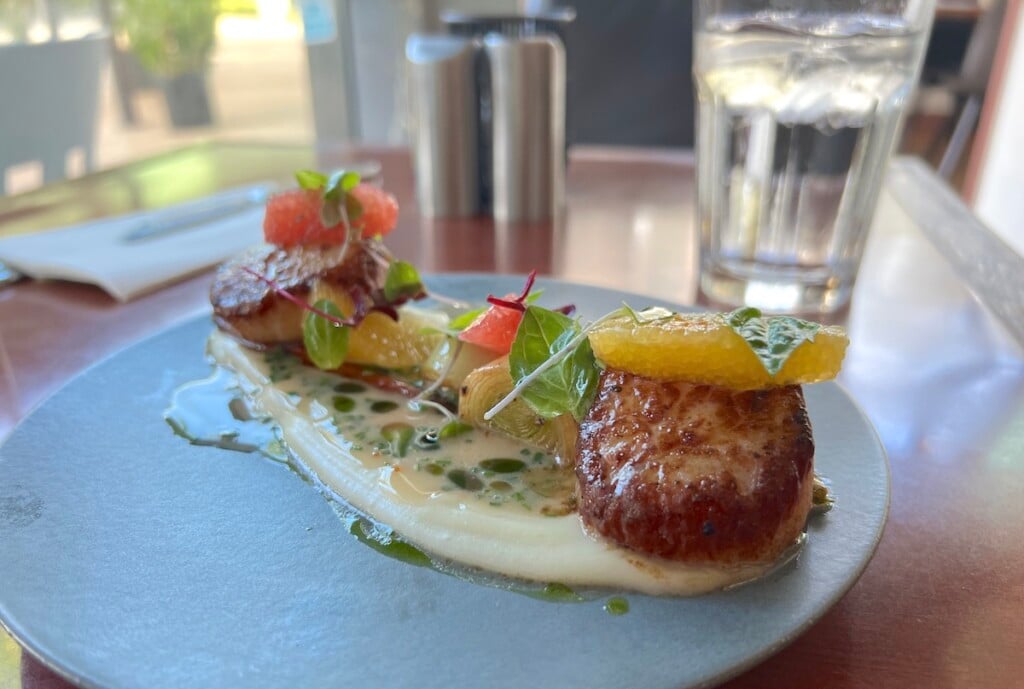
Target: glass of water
{"points": [[799, 107]]}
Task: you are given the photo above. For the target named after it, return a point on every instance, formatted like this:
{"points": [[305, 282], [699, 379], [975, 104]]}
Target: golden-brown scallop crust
{"points": [[695, 473], [247, 307]]}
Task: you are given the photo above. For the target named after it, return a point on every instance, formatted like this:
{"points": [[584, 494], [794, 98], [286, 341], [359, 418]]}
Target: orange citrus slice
{"points": [[381, 341], [702, 348]]}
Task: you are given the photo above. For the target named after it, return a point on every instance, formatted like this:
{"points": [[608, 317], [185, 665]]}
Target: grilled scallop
{"points": [[247, 307], [695, 473]]}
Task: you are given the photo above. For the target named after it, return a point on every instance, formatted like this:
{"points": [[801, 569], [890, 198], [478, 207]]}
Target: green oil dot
{"points": [[616, 606], [557, 592], [388, 545], [465, 480], [383, 406], [503, 465], [350, 388], [343, 404]]}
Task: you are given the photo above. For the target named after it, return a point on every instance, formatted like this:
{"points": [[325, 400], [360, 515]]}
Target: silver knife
{"points": [[197, 213]]}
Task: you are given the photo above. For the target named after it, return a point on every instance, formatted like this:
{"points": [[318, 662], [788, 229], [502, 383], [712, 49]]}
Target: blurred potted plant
{"points": [[173, 40]]}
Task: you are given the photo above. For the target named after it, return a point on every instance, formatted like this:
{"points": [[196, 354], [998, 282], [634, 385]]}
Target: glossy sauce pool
{"points": [[472, 497]]}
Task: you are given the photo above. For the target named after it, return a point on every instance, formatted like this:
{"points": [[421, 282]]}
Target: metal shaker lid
{"points": [[512, 25]]}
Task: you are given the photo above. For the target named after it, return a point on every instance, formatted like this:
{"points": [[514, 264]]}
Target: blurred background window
{"points": [[170, 73], [182, 71], [139, 77]]}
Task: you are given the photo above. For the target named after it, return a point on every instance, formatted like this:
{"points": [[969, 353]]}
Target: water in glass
{"points": [[797, 118]]}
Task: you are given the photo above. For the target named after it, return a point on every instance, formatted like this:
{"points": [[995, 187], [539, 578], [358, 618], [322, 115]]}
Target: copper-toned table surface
{"points": [[942, 603]]}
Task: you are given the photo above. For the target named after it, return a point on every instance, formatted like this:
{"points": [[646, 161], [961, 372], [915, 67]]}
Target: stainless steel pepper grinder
{"points": [[527, 96]]}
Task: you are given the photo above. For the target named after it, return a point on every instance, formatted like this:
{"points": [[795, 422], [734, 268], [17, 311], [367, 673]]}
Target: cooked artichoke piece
{"points": [[487, 385]]}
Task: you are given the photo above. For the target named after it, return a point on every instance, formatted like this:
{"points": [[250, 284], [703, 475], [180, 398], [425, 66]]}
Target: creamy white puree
{"points": [[454, 524]]}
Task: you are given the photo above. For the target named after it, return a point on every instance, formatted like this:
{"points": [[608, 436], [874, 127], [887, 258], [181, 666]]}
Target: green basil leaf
{"points": [[338, 183], [566, 387], [335, 192], [326, 342], [464, 320], [350, 180], [310, 179], [772, 338], [402, 281]]}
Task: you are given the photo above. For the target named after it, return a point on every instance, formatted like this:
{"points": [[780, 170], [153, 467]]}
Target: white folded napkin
{"points": [[182, 240]]}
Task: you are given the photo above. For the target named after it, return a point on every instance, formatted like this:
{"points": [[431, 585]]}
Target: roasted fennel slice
{"points": [[486, 386]]}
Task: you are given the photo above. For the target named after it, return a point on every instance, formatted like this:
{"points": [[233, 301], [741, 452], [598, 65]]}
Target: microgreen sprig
{"points": [[560, 363], [518, 303], [339, 206], [285, 294], [552, 363]]}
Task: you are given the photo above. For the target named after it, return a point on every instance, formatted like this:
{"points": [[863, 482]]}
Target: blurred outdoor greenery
{"points": [[169, 37]]}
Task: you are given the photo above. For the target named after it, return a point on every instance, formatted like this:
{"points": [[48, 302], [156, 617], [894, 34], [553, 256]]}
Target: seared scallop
{"points": [[695, 473], [249, 308]]}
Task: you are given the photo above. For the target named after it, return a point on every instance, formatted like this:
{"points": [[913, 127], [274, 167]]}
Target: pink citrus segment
{"points": [[495, 328], [293, 217], [380, 210]]}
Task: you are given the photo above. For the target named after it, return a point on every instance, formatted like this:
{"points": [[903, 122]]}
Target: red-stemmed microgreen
{"points": [[285, 294], [525, 298], [517, 303], [402, 283]]}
